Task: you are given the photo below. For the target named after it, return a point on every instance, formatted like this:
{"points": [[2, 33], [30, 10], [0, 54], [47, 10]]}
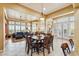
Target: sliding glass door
{"points": [[63, 27], [58, 28]]}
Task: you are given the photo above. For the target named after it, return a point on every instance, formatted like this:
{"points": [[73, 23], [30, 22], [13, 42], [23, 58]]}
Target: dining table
{"points": [[38, 39]]}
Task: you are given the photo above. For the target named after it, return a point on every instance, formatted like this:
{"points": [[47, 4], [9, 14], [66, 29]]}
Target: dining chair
{"points": [[46, 45], [51, 37], [71, 43], [51, 41], [26, 36], [26, 44], [31, 46], [65, 47]]}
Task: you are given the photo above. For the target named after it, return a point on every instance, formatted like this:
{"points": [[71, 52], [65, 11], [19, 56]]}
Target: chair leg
{"points": [[31, 51], [48, 50], [64, 52], [25, 47], [69, 50], [28, 50], [38, 50], [52, 46], [43, 52], [72, 45]]}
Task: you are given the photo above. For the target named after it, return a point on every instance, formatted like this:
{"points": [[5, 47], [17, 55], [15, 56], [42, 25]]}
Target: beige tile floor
{"points": [[18, 49]]}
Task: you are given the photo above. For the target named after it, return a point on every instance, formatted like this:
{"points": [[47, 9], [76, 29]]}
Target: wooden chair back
{"points": [[29, 40]]}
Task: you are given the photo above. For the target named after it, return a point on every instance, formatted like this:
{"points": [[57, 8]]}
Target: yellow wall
{"points": [[76, 35], [1, 29]]}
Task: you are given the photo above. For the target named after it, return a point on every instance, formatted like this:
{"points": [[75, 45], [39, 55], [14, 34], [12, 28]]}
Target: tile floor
{"points": [[18, 49]]}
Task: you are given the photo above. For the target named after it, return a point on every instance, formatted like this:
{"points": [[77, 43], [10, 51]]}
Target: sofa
{"points": [[18, 35]]}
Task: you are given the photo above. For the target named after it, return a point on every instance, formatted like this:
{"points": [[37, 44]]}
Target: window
{"points": [[33, 27], [11, 22], [29, 26], [42, 25], [11, 26], [49, 25], [16, 27], [64, 27], [23, 27]]}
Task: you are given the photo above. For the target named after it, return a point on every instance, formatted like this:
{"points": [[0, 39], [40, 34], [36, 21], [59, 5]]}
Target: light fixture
{"points": [[42, 18], [43, 9]]}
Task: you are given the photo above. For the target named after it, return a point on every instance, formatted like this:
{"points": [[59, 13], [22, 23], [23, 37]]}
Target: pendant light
{"points": [[42, 18]]}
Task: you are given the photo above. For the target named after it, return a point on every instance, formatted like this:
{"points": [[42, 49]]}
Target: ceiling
{"points": [[45, 7], [49, 7], [16, 14]]}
